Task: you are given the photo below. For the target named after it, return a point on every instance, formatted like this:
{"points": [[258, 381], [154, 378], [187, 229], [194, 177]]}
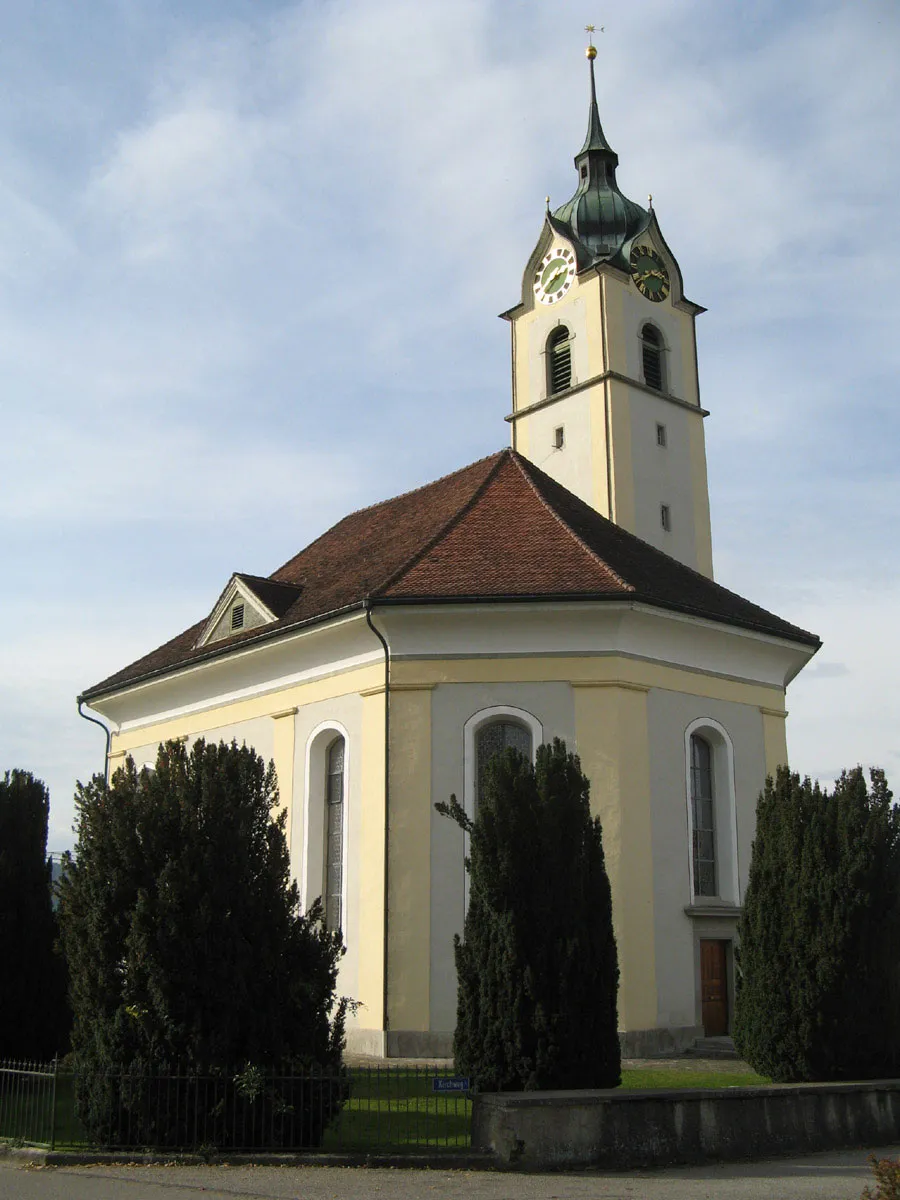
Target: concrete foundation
{"points": [[618, 1130]]}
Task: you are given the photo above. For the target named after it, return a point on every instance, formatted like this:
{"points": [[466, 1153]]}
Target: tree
{"points": [[537, 965], [34, 1019], [183, 930], [818, 992]]}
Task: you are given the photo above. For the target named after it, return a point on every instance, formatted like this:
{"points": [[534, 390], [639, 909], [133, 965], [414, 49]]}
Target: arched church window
{"points": [[652, 351], [559, 361], [493, 738], [334, 835], [703, 817]]}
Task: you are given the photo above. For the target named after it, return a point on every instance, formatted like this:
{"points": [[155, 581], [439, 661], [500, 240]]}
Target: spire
{"points": [[598, 215], [595, 139]]}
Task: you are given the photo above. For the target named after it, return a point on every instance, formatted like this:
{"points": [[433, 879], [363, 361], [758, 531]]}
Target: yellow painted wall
{"points": [[409, 880], [283, 756], [613, 742], [775, 738], [371, 863], [702, 525]]}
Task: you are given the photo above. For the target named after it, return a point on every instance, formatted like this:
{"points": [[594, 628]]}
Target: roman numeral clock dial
{"points": [[649, 273], [554, 276]]}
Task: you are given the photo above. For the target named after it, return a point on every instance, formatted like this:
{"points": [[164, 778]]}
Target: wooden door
{"points": [[714, 987]]}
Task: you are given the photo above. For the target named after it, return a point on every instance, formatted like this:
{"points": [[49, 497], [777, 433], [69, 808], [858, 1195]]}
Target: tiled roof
{"points": [[498, 529]]}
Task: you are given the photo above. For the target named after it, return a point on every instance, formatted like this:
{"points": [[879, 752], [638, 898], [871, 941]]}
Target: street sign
{"points": [[450, 1083]]}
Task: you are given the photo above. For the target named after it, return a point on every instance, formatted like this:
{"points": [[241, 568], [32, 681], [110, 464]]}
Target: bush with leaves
{"points": [[818, 994], [34, 1015], [537, 965], [186, 944]]}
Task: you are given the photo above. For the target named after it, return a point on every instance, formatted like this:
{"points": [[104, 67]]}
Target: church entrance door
{"points": [[714, 988]]}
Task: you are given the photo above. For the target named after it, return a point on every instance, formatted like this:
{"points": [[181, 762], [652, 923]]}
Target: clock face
{"points": [[649, 273], [554, 275]]}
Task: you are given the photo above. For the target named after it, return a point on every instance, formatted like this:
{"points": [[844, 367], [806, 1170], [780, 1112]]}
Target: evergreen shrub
{"points": [[34, 1016], [818, 995], [188, 952], [537, 965]]}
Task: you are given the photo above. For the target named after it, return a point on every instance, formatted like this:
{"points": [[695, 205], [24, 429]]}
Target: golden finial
{"points": [[591, 51], [650, 201], [547, 202]]}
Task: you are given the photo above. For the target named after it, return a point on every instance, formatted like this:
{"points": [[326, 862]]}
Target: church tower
{"points": [[604, 362]]}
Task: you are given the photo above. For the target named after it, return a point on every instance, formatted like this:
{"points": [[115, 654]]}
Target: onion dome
{"points": [[598, 216]]}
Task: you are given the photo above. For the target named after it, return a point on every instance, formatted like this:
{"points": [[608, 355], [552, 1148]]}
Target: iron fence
{"points": [[364, 1109]]}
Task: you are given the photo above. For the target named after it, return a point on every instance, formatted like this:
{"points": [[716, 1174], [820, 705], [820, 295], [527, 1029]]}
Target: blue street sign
{"points": [[452, 1083]]}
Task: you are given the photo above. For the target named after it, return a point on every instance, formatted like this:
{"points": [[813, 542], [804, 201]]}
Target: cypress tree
{"points": [[820, 933], [34, 1017], [537, 965], [183, 930]]}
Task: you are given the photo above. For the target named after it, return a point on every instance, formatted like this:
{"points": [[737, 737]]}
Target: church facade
{"points": [[559, 588]]}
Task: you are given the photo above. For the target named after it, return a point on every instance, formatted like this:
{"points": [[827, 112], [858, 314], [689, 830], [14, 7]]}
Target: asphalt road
{"points": [[833, 1176]]}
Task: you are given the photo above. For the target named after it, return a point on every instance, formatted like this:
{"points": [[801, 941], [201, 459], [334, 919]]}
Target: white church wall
{"points": [[573, 465], [315, 726], [663, 475], [670, 716], [453, 705]]}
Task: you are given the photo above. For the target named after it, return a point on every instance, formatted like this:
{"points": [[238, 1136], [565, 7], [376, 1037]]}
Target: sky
{"points": [[251, 257]]}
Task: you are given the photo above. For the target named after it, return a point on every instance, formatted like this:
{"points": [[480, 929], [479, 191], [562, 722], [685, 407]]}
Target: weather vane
{"points": [[590, 30]]}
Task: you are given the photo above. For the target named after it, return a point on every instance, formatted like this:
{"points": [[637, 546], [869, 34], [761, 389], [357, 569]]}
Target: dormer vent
{"points": [[237, 617]]}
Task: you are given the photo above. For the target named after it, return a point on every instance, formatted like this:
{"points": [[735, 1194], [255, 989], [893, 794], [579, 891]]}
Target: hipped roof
{"points": [[499, 529]]}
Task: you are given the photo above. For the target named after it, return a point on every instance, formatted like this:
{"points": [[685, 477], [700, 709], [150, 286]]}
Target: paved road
{"points": [[835, 1176]]}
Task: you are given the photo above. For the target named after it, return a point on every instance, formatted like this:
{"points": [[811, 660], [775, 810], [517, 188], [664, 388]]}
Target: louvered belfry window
{"points": [[653, 363], [494, 738], [703, 818], [559, 360], [334, 835]]}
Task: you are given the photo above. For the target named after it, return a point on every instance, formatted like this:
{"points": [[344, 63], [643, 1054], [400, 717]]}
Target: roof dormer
{"points": [[248, 602]]}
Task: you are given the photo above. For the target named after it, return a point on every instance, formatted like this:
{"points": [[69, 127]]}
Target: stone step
{"points": [[713, 1047]]}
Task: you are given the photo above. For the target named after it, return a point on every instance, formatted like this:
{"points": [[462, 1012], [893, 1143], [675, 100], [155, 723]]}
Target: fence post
{"points": [[53, 1103]]}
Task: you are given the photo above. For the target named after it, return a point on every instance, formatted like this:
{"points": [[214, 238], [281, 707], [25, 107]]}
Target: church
{"points": [[562, 587]]}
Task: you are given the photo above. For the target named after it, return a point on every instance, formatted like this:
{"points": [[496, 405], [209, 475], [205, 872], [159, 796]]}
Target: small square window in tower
{"points": [[559, 361], [661, 435], [651, 350], [559, 437], [665, 517]]}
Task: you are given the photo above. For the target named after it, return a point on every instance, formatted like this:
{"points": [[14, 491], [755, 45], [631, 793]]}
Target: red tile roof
{"points": [[498, 529]]}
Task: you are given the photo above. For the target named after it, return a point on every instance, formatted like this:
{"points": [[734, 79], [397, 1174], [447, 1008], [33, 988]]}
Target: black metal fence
{"points": [[365, 1109]]}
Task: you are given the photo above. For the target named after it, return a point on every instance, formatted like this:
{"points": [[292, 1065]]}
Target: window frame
{"points": [[661, 349], [477, 721], [558, 334], [312, 848], [728, 879]]}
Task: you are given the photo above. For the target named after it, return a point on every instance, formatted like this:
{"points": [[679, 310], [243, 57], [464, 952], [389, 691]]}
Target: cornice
{"points": [[616, 376]]}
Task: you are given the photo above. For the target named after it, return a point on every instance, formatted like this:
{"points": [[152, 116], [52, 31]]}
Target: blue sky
{"points": [[251, 257]]}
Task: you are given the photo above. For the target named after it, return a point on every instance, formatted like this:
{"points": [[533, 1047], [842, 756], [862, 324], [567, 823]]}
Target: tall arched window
{"points": [[559, 361], [652, 351], [493, 738], [334, 834], [703, 817]]}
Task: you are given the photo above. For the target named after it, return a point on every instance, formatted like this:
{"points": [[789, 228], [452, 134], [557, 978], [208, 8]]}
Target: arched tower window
{"points": [[703, 822], [493, 738], [652, 351], [334, 834], [559, 361]]}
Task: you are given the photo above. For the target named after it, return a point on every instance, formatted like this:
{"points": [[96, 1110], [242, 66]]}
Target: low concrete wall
{"points": [[655, 1128]]}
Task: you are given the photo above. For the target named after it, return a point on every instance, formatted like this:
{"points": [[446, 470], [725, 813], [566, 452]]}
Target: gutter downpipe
{"points": [[105, 729], [387, 826]]}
